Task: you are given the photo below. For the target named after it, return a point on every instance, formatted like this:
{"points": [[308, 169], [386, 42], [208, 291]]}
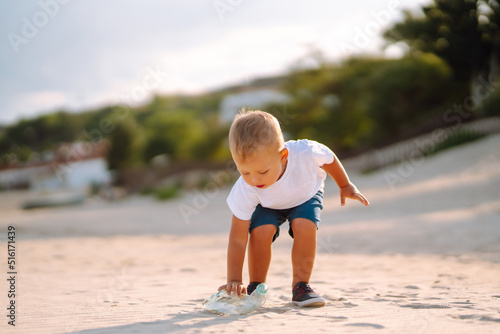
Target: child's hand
{"points": [[235, 286], [350, 191]]}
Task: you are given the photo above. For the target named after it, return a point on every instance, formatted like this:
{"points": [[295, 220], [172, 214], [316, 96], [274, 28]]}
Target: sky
{"points": [[84, 54]]}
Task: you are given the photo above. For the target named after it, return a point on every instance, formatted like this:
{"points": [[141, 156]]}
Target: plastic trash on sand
{"points": [[223, 303]]}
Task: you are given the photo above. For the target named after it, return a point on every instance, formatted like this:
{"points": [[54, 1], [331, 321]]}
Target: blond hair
{"points": [[252, 131]]}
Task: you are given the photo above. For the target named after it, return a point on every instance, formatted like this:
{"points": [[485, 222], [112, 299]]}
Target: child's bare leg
{"points": [[304, 249], [260, 252]]}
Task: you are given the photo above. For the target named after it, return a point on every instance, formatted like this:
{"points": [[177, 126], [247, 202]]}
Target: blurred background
{"points": [[112, 98]]}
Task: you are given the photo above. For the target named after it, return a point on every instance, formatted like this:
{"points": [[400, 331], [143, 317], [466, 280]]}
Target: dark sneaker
{"points": [[304, 296], [251, 287]]}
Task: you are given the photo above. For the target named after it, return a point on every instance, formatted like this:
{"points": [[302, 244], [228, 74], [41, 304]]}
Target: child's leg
{"points": [[304, 249], [260, 252]]}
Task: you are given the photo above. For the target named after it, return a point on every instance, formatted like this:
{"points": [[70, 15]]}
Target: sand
{"points": [[423, 258]]}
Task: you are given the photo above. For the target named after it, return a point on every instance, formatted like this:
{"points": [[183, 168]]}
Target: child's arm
{"points": [[347, 189], [238, 238]]}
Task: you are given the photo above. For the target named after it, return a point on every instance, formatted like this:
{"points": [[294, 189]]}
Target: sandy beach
{"points": [[423, 258]]}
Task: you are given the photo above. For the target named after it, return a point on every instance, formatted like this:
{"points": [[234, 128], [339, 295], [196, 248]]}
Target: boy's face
{"points": [[263, 168]]}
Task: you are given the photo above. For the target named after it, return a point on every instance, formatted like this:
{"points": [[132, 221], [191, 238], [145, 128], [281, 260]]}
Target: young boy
{"points": [[279, 181]]}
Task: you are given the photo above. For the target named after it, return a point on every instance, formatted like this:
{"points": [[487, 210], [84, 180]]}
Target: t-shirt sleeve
{"points": [[241, 201], [320, 153]]}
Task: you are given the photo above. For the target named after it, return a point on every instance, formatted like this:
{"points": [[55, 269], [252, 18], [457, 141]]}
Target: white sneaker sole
{"points": [[313, 302]]}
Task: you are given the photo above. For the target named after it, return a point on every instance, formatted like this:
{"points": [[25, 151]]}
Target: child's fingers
{"points": [[350, 191], [236, 287], [356, 196], [230, 288], [362, 199], [240, 289]]}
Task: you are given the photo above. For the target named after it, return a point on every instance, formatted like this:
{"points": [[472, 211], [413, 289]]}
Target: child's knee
{"points": [[302, 226], [263, 232]]}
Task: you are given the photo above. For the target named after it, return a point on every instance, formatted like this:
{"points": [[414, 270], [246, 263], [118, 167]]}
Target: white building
{"points": [[253, 99], [74, 166]]}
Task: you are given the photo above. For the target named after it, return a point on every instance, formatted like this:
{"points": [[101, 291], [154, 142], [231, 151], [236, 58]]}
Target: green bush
{"points": [[491, 105], [455, 139], [167, 192], [146, 191], [366, 102]]}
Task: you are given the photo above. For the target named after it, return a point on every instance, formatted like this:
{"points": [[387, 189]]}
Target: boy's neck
{"points": [[283, 169]]}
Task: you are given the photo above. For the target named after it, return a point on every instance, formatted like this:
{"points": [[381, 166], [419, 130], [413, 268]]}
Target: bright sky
{"points": [[78, 54]]}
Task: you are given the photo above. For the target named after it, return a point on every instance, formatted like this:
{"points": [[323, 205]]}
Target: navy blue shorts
{"points": [[310, 210]]}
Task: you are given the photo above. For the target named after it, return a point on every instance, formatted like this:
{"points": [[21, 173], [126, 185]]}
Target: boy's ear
{"points": [[284, 155]]}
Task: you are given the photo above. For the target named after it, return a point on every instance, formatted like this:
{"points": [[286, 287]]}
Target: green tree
{"points": [[176, 133], [365, 102], [43, 132], [465, 33], [405, 96], [126, 144]]}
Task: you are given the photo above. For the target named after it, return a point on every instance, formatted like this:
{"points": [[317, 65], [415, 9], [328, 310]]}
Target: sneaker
{"points": [[304, 296], [251, 287]]}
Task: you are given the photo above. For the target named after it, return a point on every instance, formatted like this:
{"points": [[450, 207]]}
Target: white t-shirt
{"points": [[301, 180]]}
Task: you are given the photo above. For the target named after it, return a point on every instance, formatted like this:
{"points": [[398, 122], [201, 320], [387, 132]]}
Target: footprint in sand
{"points": [[412, 287], [365, 324], [475, 316], [424, 306], [350, 305], [489, 319], [465, 316]]}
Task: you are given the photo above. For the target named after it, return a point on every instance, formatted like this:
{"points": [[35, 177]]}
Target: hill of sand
{"points": [[424, 257]]}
